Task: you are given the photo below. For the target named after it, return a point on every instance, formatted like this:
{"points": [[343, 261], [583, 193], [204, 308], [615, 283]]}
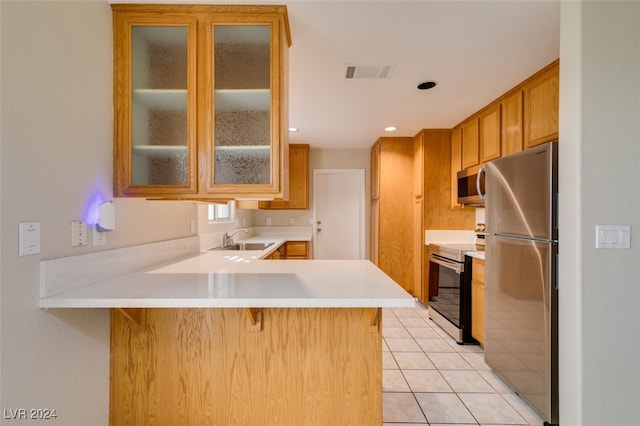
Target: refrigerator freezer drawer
{"points": [[521, 319]]}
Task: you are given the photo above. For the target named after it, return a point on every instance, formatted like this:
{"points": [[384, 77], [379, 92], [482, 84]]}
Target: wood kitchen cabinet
{"points": [[246, 366], [375, 172], [512, 128], [297, 250], [392, 209], [456, 164], [477, 300], [200, 100], [541, 106], [374, 234], [523, 117], [298, 181], [470, 142], [436, 204], [490, 141], [418, 211], [291, 250]]}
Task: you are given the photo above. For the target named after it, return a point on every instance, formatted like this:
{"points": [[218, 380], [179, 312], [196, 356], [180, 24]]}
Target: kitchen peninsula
{"points": [[224, 337]]}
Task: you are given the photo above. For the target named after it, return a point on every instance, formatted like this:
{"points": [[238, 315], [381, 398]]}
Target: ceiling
{"points": [[475, 51]]}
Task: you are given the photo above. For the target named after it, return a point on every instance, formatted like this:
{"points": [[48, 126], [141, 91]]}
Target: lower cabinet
{"points": [[477, 300], [279, 253], [297, 250], [291, 250]]}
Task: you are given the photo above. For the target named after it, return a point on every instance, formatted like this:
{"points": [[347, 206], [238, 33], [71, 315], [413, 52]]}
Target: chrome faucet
{"points": [[227, 238]]}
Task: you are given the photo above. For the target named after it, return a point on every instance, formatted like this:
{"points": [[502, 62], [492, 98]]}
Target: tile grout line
{"points": [[404, 325]]}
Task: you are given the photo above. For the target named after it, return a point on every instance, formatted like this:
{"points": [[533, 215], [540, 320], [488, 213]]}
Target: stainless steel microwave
{"points": [[471, 186]]}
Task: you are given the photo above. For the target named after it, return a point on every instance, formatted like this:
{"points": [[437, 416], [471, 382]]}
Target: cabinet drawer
{"points": [[477, 270], [297, 249]]}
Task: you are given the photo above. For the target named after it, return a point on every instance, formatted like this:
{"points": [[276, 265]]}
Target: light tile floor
{"points": [[428, 379]]}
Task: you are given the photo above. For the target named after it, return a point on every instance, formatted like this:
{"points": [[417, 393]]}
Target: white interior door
{"points": [[339, 213]]}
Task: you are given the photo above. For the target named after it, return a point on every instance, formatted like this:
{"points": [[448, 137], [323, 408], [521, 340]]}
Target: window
{"points": [[221, 212]]}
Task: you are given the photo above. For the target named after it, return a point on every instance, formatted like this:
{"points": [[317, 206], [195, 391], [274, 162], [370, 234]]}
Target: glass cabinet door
{"points": [[159, 125], [155, 98], [242, 105], [159, 106]]}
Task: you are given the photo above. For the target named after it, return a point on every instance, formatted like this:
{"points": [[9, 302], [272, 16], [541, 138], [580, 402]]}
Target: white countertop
{"points": [[221, 279], [476, 254]]}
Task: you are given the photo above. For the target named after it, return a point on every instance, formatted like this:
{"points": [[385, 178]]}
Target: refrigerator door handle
{"points": [[555, 271], [479, 188], [524, 238]]}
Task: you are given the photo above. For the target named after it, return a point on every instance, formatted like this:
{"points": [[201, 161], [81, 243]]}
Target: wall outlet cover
{"points": [[99, 237], [78, 233]]}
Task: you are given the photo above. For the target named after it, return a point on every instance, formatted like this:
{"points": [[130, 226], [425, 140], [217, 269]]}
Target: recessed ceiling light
{"points": [[293, 129], [390, 129], [426, 85]]}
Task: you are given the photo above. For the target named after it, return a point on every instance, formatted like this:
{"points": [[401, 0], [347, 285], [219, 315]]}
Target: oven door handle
{"points": [[455, 266]]}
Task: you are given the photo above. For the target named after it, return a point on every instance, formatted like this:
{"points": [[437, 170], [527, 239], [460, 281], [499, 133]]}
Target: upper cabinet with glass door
{"points": [[200, 101]]}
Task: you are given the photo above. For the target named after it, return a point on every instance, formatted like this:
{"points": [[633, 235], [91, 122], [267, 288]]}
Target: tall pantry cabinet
{"points": [[392, 208], [200, 101]]}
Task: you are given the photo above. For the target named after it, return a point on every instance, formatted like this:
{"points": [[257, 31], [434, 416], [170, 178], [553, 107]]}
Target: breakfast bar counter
{"points": [[225, 338], [217, 279]]}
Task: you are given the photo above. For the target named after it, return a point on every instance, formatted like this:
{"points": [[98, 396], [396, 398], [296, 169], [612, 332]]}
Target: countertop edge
{"points": [[61, 303]]}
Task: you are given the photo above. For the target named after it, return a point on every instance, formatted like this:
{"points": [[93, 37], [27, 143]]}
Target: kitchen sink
{"points": [[245, 246]]}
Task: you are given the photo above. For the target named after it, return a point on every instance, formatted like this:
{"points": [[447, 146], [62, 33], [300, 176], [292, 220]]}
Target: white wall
{"points": [[323, 159], [599, 156], [56, 144]]}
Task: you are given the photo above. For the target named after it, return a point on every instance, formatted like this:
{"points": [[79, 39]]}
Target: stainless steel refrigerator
{"points": [[521, 295]]}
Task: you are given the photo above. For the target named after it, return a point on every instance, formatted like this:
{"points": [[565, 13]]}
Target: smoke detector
{"points": [[380, 72]]}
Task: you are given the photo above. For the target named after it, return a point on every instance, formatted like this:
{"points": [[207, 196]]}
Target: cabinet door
{"points": [[477, 311], [374, 242], [490, 147], [477, 301], [418, 246], [375, 171], [456, 164], [541, 108], [418, 165], [297, 250], [298, 181], [470, 143], [155, 104], [512, 123], [241, 86]]}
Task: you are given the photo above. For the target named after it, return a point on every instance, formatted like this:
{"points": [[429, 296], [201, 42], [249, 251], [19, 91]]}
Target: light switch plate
{"points": [[29, 238], [613, 236]]}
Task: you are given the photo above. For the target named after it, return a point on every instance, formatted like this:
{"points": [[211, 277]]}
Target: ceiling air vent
{"points": [[367, 71]]}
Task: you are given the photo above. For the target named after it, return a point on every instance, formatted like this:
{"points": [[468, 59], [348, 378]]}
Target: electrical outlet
{"points": [[99, 237], [268, 221], [78, 233], [292, 220], [192, 226]]}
